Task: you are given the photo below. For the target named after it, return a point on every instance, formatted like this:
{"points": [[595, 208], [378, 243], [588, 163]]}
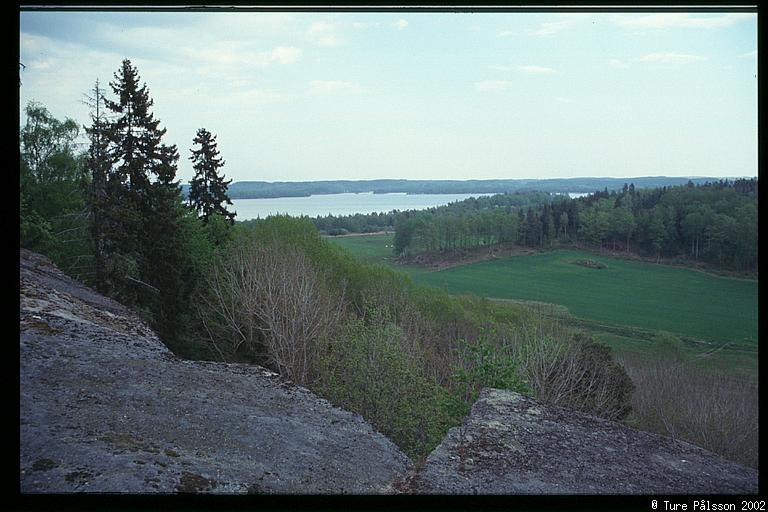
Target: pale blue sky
{"points": [[313, 96]]}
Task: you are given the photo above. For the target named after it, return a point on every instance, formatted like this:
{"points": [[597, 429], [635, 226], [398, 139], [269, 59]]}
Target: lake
{"points": [[341, 204]]}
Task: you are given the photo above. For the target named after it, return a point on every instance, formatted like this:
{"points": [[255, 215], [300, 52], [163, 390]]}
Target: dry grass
{"points": [[713, 410]]}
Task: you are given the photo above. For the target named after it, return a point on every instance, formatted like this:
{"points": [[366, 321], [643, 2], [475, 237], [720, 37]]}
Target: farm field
{"points": [[682, 301], [622, 304]]}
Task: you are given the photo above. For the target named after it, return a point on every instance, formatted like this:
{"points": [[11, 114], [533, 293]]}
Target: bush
{"points": [[668, 346], [574, 371], [370, 370], [265, 298], [486, 366]]}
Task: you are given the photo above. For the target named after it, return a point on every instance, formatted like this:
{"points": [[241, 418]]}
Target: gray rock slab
{"points": [[512, 444], [106, 408]]}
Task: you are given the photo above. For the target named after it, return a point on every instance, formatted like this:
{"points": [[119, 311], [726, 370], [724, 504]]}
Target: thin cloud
{"points": [[670, 58], [506, 33], [536, 70], [330, 86], [551, 28], [360, 25], [42, 64], [324, 33], [677, 20], [234, 55], [618, 63], [286, 54], [493, 85], [401, 24], [750, 55]]}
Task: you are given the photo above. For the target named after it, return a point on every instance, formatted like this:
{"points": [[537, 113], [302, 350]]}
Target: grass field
{"points": [[622, 305], [369, 248], [682, 301]]}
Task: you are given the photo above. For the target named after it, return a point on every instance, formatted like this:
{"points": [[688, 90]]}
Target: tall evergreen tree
{"points": [[136, 203], [98, 162], [166, 261], [208, 190]]}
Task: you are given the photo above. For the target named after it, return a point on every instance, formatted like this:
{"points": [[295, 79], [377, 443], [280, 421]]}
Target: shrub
{"points": [[267, 297], [574, 371], [369, 370], [668, 346], [486, 366]]}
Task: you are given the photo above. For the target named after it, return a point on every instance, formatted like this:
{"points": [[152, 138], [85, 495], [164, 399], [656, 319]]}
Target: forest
{"points": [[714, 222], [408, 358]]}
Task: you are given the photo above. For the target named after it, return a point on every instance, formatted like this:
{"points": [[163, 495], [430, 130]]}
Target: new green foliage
{"points": [[52, 216], [488, 366], [372, 369]]}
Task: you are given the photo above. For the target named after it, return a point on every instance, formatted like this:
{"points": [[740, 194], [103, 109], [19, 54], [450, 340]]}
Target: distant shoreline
{"points": [[277, 189]]}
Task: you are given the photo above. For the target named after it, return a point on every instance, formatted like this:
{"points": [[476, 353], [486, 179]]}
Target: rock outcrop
{"points": [[511, 444], [105, 407]]}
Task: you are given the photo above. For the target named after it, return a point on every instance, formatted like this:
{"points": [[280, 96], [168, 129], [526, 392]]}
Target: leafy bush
{"points": [[370, 370], [669, 347], [487, 367]]}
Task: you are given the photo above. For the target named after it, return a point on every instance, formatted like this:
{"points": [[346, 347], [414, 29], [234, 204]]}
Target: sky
{"points": [[303, 96]]}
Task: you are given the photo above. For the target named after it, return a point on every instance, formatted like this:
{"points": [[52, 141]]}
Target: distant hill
{"points": [[263, 189]]}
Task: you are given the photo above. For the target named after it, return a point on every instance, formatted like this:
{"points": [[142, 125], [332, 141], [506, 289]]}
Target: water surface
{"points": [[341, 204]]}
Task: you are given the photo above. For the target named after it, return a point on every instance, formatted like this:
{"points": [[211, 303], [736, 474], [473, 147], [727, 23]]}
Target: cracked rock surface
{"points": [[511, 444], [106, 407]]}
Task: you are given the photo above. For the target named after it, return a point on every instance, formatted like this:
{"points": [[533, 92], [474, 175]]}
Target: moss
{"points": [[129, 442], [44, 464], [194, 483], [78, 476]]}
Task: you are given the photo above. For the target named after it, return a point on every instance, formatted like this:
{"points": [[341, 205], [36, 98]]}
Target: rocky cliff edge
{"points": [[511, 444], [106, 407]]}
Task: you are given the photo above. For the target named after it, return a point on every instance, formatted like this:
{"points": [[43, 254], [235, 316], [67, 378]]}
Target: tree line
{"points": [[113, 215], [714, 222], [373, 222]]}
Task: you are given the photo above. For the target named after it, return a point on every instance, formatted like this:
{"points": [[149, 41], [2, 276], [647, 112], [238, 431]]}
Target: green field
{"points": [[645, 295], [369, 248], [622, 304]]}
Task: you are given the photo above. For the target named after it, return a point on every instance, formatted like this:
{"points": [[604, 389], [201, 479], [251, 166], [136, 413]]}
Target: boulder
{"points": [[512, 444]]}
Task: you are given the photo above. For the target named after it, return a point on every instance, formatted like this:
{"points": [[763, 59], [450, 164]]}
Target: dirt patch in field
{"points": [[362, 234], [441, 260]]}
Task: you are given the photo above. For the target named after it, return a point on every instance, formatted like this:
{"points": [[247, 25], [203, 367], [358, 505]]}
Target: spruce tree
{"points": [[136, 203], [122, 140], [208, 190], [98, 162], [166, 262]]}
